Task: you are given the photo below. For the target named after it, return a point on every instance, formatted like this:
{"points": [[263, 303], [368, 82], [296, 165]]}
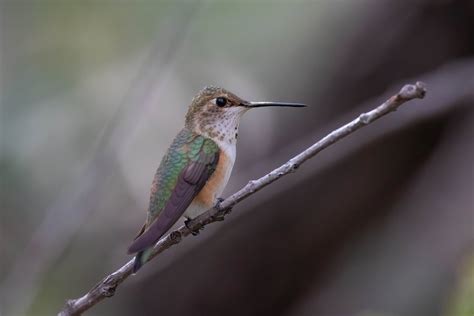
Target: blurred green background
{"points": [[382, 223]]}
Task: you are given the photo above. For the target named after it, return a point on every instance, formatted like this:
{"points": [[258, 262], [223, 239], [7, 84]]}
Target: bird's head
{"points": [[216, 112]]}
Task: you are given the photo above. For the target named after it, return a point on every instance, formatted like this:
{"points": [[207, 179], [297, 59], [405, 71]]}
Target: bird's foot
{"points": [[220, 216], [219, 201], [194, 232]]}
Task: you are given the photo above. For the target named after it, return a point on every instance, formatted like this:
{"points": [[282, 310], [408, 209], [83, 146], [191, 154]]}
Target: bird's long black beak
{"points": [[262, 104]]}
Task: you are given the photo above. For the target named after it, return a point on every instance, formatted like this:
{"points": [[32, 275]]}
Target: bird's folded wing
{"points": [[190, 182]]}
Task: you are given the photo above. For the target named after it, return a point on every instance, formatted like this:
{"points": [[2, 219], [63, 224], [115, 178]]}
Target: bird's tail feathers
{"points": [[141, 258]]}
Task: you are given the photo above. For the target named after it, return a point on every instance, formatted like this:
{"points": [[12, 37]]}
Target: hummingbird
{"points": [[197, 166]]}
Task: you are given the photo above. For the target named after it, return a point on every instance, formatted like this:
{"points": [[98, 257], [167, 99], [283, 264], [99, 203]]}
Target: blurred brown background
{"points": [[381, 223]]}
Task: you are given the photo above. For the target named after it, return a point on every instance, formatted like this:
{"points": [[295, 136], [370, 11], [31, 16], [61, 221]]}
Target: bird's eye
{"points": [[221, 101]]}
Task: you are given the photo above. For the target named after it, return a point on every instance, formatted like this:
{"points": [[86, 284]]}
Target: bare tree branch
{"points": [[107, 287]]}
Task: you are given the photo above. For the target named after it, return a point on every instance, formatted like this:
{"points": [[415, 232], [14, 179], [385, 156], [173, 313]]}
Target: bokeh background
{"points": [[380, 224]]}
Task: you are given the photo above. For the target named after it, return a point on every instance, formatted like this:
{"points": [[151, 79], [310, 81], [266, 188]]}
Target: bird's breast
{"points": [[215, 185]]}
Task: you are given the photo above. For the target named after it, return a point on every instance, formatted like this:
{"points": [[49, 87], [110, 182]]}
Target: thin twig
{"points": [[107, 287]]}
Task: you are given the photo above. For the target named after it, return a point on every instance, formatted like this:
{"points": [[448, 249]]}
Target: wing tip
{"points": [[137, 246], [146, 240], [131, 250]]}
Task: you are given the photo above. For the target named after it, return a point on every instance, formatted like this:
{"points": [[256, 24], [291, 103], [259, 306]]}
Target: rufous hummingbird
{"points": [[197, 165]]}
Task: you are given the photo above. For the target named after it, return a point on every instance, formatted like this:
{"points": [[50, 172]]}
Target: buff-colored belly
{"points": [[213, 188]]}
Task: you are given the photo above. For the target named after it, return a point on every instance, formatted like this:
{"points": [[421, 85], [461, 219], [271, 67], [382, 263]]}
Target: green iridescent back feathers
{"points": [[186, 147], [177, 177]]}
